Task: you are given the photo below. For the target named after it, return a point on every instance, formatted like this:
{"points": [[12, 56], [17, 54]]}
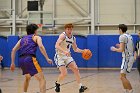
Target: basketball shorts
{"points": [[63, 60], [127, 63], [29, 65]]}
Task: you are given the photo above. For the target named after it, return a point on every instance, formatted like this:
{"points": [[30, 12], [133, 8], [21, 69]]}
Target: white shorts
{"points": [[62, 60], [127, 63]]}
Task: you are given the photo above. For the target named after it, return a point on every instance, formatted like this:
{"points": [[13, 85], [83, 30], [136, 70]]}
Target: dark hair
{"points": [[70, 25], [31, 28], [123, 27]]}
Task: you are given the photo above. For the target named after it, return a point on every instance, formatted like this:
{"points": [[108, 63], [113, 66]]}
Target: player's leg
{"points": [[62, 75], [138, 64], [76, 72], [26, 82], [125, 82], [1, 65], [42, 82], [124, 69], [59, 61], [37, 72]]}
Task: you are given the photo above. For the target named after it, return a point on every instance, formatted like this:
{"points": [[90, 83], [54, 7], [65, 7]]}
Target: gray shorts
{"points": [[127, 63], [63, 60]]}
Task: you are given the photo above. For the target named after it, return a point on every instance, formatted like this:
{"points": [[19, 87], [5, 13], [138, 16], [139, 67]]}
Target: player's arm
{"points": [[58, 43], [42, 49], [136, 51], [16, 47], [120, 49], [122, 40], [75, 48], [135, 55]]}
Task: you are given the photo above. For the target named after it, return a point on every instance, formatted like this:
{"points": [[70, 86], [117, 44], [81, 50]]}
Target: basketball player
{"points": [[137, 52], [1, 58], [27, 47], [63, 57], [127, 48]]}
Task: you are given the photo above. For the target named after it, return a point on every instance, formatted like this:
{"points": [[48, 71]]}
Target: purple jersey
{"points": [[27, 59], [28, 46]]}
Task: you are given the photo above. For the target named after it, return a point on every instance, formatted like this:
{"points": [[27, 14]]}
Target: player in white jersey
{"points": [[126, 46], [63, 57]]}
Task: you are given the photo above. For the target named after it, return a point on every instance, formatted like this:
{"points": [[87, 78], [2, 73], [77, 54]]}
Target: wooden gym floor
{"points": [[98, 81]]}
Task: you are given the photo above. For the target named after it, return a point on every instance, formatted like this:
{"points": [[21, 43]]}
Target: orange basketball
{"points": [[87, 54]]}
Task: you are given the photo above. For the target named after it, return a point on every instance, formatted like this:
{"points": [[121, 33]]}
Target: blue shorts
{"points": [[29, 65]]}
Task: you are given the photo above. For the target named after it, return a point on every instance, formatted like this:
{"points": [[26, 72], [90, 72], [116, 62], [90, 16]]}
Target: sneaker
{"points": [[82, 89], [130, 91], [57, 87]]}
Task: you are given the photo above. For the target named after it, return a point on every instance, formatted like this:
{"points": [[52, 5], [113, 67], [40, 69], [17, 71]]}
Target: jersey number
{"points": [[68, 46]]}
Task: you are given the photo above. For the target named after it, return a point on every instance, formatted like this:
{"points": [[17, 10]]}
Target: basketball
{"points": [[87, 54]]}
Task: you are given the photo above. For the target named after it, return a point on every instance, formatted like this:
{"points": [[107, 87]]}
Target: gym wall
{"points": [[98, 44]]}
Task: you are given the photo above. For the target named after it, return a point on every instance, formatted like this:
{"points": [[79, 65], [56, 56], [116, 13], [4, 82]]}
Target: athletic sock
{"points": [[57, 82], [80, 85], [125, 91], [130, 91]]}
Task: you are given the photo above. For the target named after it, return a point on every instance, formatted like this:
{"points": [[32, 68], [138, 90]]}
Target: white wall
{"points": [[116, 11], [138, 11], [110, 12], [64, 9], [5, 4]]}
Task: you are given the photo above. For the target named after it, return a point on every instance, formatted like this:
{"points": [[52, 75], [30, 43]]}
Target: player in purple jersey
{"points": [[27, 47]]}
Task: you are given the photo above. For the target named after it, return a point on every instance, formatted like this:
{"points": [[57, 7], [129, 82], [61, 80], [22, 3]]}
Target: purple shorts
{"points": [[29, 65]]}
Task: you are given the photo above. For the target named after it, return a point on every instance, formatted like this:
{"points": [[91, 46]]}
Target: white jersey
{"points": [[66, 44], [128, 45]]}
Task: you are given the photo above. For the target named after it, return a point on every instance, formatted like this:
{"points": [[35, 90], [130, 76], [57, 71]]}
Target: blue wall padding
{"points": [[98, 44], [12, 40], [4, 50], [49, 44], [92, 44], [82, 44], [108, 58]]}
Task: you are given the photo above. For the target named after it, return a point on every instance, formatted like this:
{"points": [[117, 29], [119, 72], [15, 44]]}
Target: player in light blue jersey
{"points": [[126, 46]]}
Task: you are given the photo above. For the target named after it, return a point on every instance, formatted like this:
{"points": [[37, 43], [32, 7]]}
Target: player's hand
{"points": [[67, 53], [49, 61], [117, 45], [1, 58], [12, 67], [83, 50], [112, 48]]}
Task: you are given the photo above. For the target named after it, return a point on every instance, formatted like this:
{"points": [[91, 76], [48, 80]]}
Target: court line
{"points": [[73, 81]]}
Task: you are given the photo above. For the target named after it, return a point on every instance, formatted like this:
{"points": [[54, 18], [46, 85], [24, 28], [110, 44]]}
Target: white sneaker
{"points": [[125, 91], [130, 91]]}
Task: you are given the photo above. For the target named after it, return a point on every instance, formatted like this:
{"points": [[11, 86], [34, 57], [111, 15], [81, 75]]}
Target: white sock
{"points": [[57, 82], [125, 91], [24, 92], [130, 91], [80, 85]]}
